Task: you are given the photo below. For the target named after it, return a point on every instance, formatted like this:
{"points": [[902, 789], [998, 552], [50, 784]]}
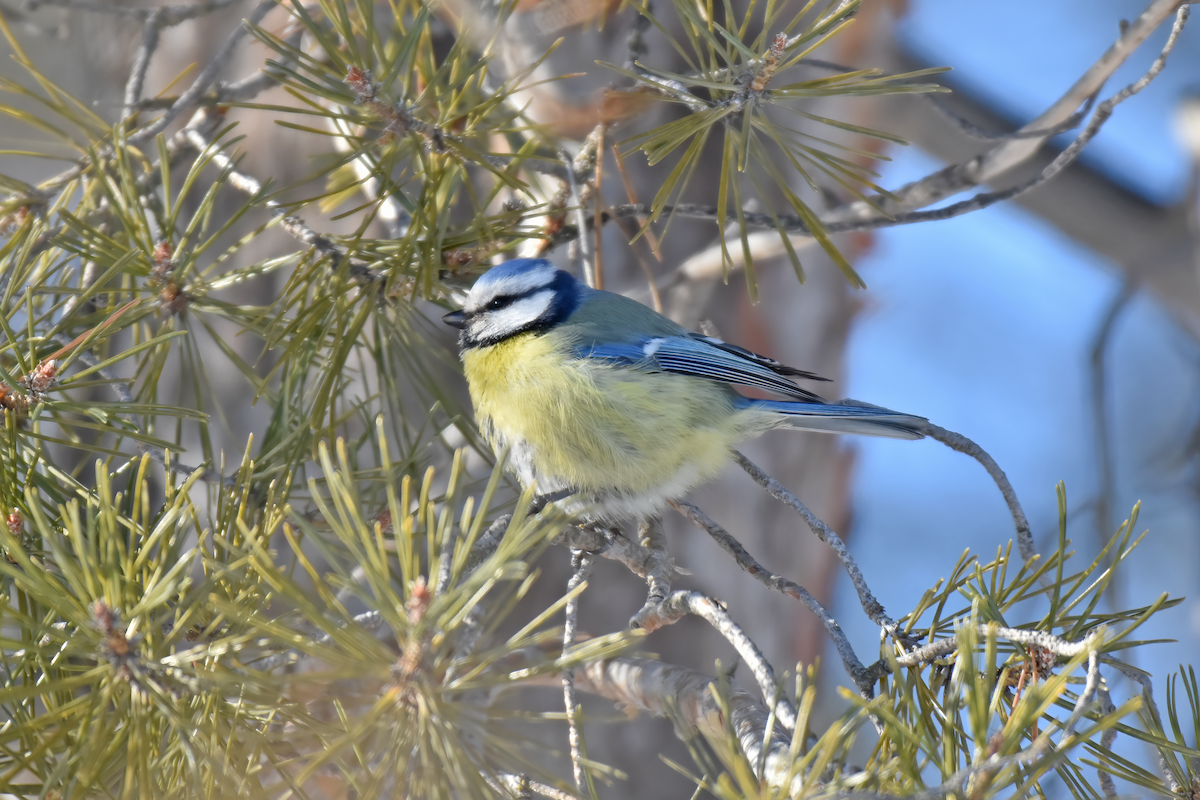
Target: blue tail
{"points": [[847, 417]]}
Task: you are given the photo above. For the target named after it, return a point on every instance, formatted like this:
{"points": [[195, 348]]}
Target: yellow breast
{"points": [[596, 427]]}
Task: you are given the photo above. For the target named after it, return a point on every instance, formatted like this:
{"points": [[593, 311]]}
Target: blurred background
{"points": [[1059, 331]]}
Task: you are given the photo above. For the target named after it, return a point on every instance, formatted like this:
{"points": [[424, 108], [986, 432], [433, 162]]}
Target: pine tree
{"points": [[339, 606]]}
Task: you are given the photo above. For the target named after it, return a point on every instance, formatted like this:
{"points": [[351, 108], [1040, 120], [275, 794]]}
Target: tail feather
{"points": [[847, 416]]}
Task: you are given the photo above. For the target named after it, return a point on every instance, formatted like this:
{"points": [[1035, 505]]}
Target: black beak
{"points": [[456, 319]]}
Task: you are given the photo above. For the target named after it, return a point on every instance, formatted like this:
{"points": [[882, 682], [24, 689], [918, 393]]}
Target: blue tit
{"points": [[597, 396]]}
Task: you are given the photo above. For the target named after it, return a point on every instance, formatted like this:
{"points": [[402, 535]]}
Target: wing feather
{"points": [[704, 357]]}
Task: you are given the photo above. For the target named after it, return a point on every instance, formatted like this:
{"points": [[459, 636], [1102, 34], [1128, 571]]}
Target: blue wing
{"points": [[703, 357]]}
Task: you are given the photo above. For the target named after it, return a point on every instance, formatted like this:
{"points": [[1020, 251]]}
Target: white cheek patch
{"points": [[512, 318]]}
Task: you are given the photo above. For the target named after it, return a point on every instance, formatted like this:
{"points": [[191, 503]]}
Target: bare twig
{"points": [[151, 27], [91, 271], [1085, 698], [1063, 160], [445, 562], [206, 77], [169, 15], [1107, 739], [291, 223], [586, 267], [581, 566], [241, 91], [369, 621], [968, 127], [390, 212], [679, 604], [1142, 679], [863, 679], [871, 607], [1015, 150], [983, 134], [598, 171], [487, 543], [687, 697], [657, 567], [520, 786], [960, 443]]}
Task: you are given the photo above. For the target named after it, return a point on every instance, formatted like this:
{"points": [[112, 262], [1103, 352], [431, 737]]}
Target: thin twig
{"points": [[292, 224], [965, 125], [369, 621], [863, 679], [871, 606], [169, 15], [598, 259], [487, 543], [687, 697], [961, 444], [91, 271], [176, 145], [679, 604], [151, 28], [1142, 679], [1090, 686], [581, 567], [239, 92], [1002, 158], [206, 77], [519, 786], [1107, 739], [585, 266], [657, 567], [391, 212]]}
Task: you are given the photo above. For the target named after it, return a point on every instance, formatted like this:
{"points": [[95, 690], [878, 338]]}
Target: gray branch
{"points": [[205, 79], [961, 444], [871, 607], [292, 224], [581, 565], [658, 569], [151, 28], [679, 604], [863, 678]]}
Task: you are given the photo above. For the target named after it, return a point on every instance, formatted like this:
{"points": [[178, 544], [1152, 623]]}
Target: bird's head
{"points": [[526, 294]]}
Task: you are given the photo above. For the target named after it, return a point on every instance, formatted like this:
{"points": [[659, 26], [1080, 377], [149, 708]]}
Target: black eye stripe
{"points": [[499, 302]]}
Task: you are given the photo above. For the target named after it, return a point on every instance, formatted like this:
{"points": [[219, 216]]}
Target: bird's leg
{"points": [[658, 569], [542, 500]]}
